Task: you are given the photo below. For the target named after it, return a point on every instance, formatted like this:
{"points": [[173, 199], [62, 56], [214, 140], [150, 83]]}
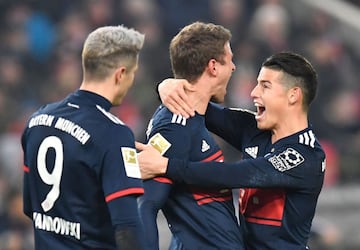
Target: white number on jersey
{"points": [[54, 177]]}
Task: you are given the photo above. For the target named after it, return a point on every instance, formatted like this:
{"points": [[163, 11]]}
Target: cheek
{"points": [[278, 104]]}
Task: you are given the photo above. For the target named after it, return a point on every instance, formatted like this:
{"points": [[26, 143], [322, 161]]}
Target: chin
{"points": [[261, 126]]}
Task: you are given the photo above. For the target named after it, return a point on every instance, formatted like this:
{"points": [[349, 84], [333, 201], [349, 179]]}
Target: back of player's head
{"points": [[108, 48], [298, 72], [194, 46]]}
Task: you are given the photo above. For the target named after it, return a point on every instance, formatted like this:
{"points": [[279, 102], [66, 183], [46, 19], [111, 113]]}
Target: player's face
{"points": [[271, 100], [225, 72]]}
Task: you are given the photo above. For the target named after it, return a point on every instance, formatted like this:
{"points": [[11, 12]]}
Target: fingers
{"points": [[183, 102], [139, 146], [174, 97], [177, 107], [166, 87]]}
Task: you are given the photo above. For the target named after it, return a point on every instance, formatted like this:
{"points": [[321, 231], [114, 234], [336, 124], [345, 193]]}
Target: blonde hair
{"points": [[108, 48]]}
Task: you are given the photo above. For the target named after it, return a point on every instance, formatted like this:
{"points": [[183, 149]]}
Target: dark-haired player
{"points": [[283, 166]]}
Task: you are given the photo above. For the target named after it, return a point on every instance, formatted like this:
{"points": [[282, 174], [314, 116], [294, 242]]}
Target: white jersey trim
{"points": [[112, 118], [178, 119], [307, 138]]}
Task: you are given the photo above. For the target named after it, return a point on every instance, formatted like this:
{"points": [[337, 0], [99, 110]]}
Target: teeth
{"points": [[258, 104]]}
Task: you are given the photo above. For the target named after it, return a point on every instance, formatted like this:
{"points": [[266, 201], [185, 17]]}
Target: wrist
{"points": [[164, 165]]}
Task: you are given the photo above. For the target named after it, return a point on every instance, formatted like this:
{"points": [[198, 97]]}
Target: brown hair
{"points": [[194, 46]]}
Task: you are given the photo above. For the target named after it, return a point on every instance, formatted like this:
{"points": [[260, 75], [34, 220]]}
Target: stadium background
{"points": [[40, 61]]}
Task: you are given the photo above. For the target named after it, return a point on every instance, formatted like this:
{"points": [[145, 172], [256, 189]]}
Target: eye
{"points": [[265, 85]]}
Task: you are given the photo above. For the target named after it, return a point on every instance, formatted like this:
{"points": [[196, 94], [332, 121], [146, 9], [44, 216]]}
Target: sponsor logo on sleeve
{"points": [[286, 160], [160, 143], [130, 162]]}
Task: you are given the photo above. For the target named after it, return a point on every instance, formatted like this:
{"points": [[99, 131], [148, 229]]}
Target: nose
{"points": [[233, 66], [255, 93]]}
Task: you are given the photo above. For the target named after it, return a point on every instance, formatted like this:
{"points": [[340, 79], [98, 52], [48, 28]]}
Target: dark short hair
{"points": [[298, 67]]}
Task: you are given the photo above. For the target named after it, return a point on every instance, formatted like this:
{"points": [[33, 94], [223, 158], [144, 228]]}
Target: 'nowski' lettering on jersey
{"points": [[56, 225], [73, 129], [41, 120]]}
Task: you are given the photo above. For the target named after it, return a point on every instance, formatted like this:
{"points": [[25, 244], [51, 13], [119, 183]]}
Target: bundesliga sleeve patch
{"points": [[130, 162], [286, 160], [160, 143]]}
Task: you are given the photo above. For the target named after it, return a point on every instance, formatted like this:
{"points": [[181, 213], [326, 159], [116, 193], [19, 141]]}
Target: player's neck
{"points": [[200, 100], [97, 88], [289, 126]]}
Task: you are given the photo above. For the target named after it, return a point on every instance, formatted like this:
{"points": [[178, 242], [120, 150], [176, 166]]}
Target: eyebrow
{"points": [[263, 81]]}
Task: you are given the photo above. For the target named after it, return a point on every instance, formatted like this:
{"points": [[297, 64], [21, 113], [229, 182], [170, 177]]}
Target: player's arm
{"points": [[245, 173], [171, 141], [260, 172], [149, 205], [121, 183], [226, 123], [230, 124], [128, 230], [26, 196], [284, 168], [26, 192]]}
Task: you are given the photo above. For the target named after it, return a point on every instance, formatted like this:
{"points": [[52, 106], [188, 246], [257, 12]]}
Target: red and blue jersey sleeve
{"points": [[266, 171], [169, 139], [120, 174]]}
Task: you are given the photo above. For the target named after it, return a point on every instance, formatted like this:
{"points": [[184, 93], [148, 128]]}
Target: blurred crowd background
{"points": [[40, 62]]}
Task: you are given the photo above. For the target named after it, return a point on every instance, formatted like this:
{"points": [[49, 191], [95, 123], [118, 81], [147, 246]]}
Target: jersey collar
{"points": [[94, 98]]}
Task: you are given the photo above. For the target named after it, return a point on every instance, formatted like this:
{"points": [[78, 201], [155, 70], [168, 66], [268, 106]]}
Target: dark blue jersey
{"points": [[81, 176], [289, 174], [199, 218]]}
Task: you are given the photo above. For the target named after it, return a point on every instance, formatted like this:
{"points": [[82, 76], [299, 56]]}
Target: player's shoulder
{"points": [[163, 116], [106, 126], [305, 138], [48, 108], [298, 149], [308, 142], [44, 112], [108, 117]]}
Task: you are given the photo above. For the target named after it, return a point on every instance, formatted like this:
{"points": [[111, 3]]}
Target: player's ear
{"points": [[294, 95], [119, 74], [211, 67]]}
